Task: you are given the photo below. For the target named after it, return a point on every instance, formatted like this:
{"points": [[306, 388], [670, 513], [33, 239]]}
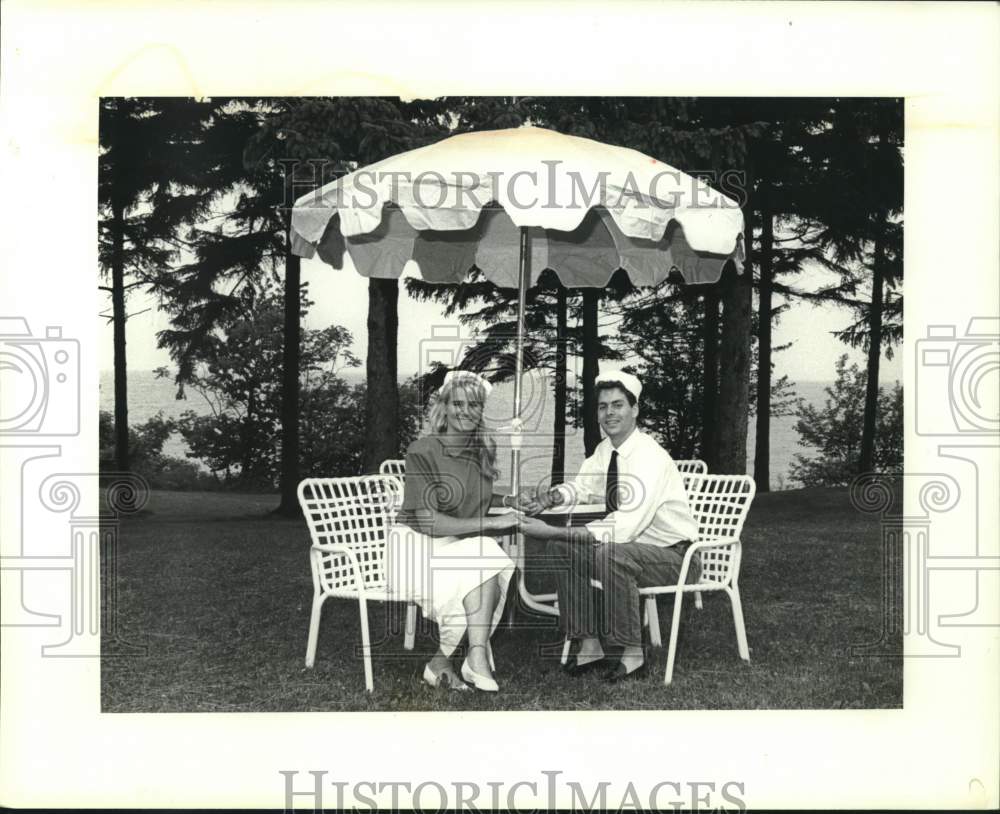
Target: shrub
{"points": [[835, 431], [146, 456]]}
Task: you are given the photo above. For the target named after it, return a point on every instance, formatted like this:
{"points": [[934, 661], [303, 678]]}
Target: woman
{"points": [[441, 553]]}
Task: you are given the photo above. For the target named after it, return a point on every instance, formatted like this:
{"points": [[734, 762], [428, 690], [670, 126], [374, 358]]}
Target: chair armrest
{"points": [[712, 542], [344, 551], [704, 542]]}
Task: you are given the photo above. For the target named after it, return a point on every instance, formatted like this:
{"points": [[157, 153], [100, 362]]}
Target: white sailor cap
{"points": [[630, 382]]}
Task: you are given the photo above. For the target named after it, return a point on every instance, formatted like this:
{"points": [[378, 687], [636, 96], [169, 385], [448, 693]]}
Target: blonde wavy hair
{"points": [[482, 437]]}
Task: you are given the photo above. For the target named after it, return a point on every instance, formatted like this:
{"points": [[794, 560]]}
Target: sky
{"points": [[341, 297]]}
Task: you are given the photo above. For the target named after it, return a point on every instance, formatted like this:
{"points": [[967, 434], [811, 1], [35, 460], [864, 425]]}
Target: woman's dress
{"points": [[438, 572]]}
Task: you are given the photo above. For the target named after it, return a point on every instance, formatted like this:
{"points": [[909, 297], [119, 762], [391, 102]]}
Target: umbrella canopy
{"points": [[514, 203], [588, 209]]}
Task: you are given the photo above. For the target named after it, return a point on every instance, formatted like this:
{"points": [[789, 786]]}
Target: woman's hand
{"points": [[533, 527], [528, 502], [500, 522]]}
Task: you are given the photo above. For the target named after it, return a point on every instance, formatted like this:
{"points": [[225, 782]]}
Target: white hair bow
{"points": [[468, 375]]}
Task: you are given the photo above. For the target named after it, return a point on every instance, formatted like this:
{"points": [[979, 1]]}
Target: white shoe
{"points": [[478, 681]]}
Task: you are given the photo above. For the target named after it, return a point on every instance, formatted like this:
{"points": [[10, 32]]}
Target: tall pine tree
{"points": [[146, 190]]}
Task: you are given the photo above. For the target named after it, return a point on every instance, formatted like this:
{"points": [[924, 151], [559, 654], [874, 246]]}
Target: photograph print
{"points": [[500, 403]]}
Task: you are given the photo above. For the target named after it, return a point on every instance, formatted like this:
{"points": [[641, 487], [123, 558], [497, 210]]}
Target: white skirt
{"points": [[439, 572]]}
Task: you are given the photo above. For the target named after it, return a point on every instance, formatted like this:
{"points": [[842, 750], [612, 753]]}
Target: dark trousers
{"points": [[611, 614]]}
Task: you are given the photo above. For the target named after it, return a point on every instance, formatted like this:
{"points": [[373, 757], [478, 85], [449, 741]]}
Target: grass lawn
{"points": [[219, 593]]}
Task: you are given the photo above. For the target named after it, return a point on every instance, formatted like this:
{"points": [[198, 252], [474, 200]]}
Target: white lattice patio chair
{"points": [[396, 467], [348, 519], [720, 504], [393, 466], [694, 466]]}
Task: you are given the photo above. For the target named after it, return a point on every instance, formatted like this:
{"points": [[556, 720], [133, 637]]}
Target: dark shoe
{"points": [[618, 673], [571, 668]]}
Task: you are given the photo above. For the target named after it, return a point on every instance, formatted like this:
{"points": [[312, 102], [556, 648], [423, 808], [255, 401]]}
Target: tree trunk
{"points": [[670, 440], [247, 465], [762, 447], [559, 419], [382, 401], [867, 460], [118, 317], [710, 376], [734, 364], [290, 388], [591, 429]]}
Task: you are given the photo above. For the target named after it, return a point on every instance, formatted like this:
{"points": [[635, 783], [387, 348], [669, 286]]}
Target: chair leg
{"points": [[565, 652], [411, 626], [675, 624], [366, 648], [653, 620], [697, 600], [314, 617], [511, 600], [741, 630], [511, 616]]}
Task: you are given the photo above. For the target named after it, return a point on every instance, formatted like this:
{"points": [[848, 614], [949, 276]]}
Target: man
{"points": [[640, 543]]}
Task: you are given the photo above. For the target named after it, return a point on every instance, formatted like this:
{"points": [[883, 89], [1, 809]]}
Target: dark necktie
{"points": [[611, 488]]}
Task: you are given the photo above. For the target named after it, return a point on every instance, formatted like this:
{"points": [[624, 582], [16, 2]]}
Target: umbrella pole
{"points": [[515, 437], [524, 278], [522, 296]]}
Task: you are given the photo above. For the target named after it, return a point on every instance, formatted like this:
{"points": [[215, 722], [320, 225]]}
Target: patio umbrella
{"points": [[513, 203]]}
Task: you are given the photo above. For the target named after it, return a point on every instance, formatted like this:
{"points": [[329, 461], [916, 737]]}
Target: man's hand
{"points": [[535, 501], [533, 527]]}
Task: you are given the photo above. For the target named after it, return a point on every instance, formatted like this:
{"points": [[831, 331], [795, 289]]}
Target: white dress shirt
{"points": [[653, 505]]}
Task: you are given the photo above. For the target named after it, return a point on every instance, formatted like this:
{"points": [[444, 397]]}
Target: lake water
{"points": [[149, 396]]}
